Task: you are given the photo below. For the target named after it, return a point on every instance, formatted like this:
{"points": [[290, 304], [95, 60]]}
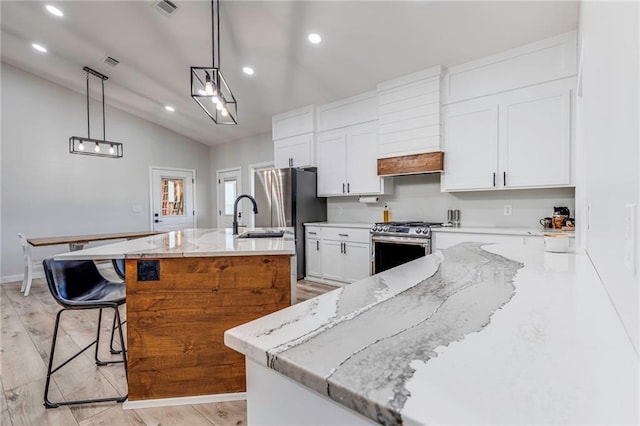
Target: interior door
{"points": [[172, 199], [229, 187]]}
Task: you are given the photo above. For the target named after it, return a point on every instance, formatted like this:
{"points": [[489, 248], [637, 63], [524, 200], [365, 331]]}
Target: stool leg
{"points": [[124, 352], [47, 403], [116, 324], [51, 370]]}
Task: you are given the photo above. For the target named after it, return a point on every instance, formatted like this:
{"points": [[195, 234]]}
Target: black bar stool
{"points": [[77, 284]]}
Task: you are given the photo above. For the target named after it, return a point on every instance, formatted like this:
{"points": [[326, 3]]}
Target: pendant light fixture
{"points": [[96, 147], [208, 87]]}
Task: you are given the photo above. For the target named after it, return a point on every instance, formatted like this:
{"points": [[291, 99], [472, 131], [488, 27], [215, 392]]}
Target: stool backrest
{"points": [[69, 280], [118, 266]]}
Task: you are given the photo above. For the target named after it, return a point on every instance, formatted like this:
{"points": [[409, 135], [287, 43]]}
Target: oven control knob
{"points": [[419, 230], [385, 228]]}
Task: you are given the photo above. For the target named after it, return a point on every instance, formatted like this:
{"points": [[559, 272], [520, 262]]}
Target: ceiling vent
{"points": [[111, 61], [166, 7]]}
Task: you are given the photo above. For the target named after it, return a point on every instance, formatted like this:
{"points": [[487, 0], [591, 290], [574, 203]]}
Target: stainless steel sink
{"points": [[262, 234]]}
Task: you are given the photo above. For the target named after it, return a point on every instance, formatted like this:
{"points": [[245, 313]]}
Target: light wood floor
{"points": [[27, 328]]}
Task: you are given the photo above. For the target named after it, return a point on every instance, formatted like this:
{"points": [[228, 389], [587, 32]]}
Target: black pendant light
{"points": [[208, 87], [95, 147]]}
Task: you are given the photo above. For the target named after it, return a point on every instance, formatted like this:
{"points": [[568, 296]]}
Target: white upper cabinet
{"points": [[471, 144], [546, 60], [293, 123], [535, 138], [409, 114], [347, 161], [293, 138], [516, 139], [295, 151], [507, 118], [347, 112]]}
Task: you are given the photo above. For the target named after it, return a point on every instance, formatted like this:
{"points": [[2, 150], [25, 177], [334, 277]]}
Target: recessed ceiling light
{"points": [[54, 10], [169, 108], [39, 48], [248, 70], [314, 38]]}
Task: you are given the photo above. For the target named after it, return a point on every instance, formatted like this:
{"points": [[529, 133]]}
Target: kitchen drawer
{"points": [[346, 234], [313, 232]]}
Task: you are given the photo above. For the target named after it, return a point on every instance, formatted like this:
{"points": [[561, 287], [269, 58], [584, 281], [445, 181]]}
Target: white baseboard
{"points": [[185, 400], [324, 281]]}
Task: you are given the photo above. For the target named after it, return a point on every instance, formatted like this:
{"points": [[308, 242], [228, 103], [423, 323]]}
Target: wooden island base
{"points": [[176, 323]]}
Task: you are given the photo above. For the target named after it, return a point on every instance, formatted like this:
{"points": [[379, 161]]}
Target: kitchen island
{"points": [[473, 334], [184, 289]]}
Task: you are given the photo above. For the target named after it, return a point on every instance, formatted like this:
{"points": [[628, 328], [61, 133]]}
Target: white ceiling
{"points": [[363, 43]]}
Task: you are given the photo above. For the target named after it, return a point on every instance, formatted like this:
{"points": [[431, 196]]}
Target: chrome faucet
{"points": [[235, 210]]}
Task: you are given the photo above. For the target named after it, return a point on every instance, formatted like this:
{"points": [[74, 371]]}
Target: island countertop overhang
{"points": [[194, 242]]}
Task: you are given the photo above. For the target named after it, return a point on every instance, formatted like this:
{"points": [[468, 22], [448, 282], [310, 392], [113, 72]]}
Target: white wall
{"points": [[241, 153], [610, 84], [418, 197], [48, 192]]}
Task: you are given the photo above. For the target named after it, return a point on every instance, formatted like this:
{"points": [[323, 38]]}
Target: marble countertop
{"points": [[341, 224], [190, 243], [473, 334], [497, 230]]}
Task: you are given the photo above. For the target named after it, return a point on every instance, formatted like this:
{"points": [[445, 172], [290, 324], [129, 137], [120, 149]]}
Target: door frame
{"points": [[252, 190], [217, 186], [177, 169]]}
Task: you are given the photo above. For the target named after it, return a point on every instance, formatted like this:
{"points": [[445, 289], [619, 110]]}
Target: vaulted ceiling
{"points": [[363, 43]]}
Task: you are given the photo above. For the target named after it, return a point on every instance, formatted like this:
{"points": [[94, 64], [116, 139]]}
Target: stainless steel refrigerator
{"points": [[287, 198]]}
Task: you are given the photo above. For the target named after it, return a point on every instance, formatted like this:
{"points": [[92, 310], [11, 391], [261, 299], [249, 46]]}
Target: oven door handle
{"points": [[424, 242]]}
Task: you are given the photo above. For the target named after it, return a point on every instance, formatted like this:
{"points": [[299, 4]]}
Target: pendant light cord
{"points": [[213, 37], [104, 123], [88, 121], [218, 29]]}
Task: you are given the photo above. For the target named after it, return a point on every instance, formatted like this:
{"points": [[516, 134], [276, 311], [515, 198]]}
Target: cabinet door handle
{"points": [[343, 235], [348, 190], [494, 179], [343, 188], [345, 248], [317, 245], [504, 178], [341, 248], [312, 233]]}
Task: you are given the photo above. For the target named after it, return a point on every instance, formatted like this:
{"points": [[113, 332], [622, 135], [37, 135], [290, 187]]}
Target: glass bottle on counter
{"points": [[386, 214]]}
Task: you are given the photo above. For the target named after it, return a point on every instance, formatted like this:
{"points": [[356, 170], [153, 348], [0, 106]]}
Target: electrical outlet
{"points": [[507, 209], [630, 237]]}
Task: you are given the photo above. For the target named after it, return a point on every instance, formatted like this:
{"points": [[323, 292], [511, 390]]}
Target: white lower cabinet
{"points": [[344, 261], [312, 254], [337, 255], [443, 240]]}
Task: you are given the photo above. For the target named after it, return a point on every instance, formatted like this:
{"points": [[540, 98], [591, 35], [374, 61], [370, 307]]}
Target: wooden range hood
{"points": [[430, 162]]}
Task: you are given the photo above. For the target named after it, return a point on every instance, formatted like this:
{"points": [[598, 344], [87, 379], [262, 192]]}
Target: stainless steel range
{"points": [[395, 243]]}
